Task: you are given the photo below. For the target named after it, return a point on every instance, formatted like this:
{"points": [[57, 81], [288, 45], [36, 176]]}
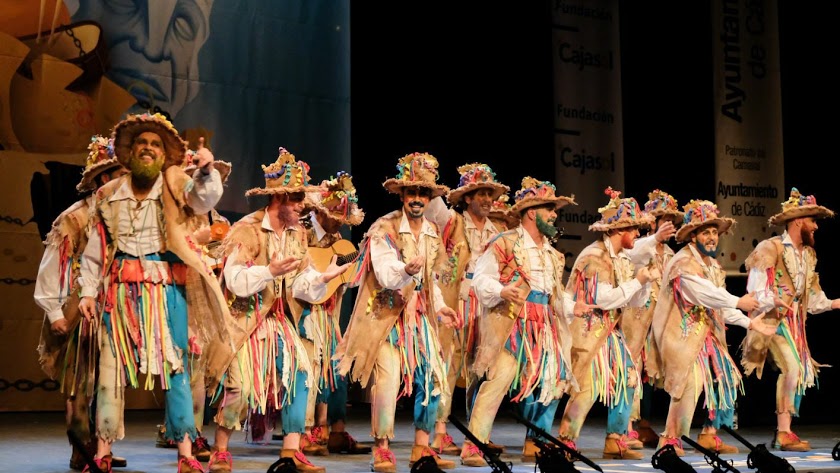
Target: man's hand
{"points": [[333, 270], [279, 267], [582, 308], [643, 275], [60, 326], [835, 304], [448, 317], [203, 158], [202, 235], [759, 325], [87, 305], [747, 303], [665, 231], [415, 265], [513, 293]]}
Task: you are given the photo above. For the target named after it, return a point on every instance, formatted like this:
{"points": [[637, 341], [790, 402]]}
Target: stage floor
{"points": [[36, 443]]}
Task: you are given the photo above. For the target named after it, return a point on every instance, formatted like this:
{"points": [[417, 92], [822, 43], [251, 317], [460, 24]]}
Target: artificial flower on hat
{"points": [[100, 159], [798, 206], [283, 176], [473, 177], [620, 213], [416, 170], [536, 193], [338, 200], [699, 213]]}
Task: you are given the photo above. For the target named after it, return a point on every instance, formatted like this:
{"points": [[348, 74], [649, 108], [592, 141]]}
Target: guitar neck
{"points": [[347, 258]]}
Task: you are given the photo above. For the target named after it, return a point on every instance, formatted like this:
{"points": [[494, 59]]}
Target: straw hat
{"points": [[338, 200], [620, 213], [127, 130], [223, 167], [797, 206], [699, 213], [473, 177], [286, 175], [535, 193], [500, 210], [416, 170], [100, 159], [663, 204]]}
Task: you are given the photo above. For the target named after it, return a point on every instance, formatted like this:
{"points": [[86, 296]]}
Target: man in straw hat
{"points": [[689, 329], [783, 276], [466, 231], [603, 274], [267, 269], [320, 330], [67, 348], [142, 258], [398, 311], [524, 340], [651, 251]]}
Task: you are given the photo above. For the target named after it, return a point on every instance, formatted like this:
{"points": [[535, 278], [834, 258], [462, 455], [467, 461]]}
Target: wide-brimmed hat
{"points": [[284, 176], [699, 213], [473, 177], [223, 167], [338, 200], [620, 213], [535, 193], [501, 210], [661, 204], [100, 159], [798, 206], [416, 170], [127, 130]]}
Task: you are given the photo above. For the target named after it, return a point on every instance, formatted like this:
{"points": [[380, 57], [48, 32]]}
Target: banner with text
{"points": [[587, 125], [749, 165]]}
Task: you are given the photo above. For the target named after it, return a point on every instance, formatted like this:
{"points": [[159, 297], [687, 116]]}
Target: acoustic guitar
{"points": [[321, 257]]}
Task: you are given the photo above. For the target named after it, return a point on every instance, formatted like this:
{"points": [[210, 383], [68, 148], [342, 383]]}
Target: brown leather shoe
{"points": [[220, 462], [418, 451], [495, 448], [529, 451], [675, 442], [343, 442], [383, 461], [647, 435], [632, 440], [616, 448], [471, 455], [189, 465], [443, 444], [790, 442], [302, 464], [161, 441], [714, 443], [311, 445], [103, 463], [201, 448]]}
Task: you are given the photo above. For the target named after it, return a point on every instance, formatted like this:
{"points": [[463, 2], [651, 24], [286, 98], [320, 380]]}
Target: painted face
{"points": [[807, 229], [415, 200], [706, 240], [291, 207], [153, 46], [147, 156], [479, 202], [628, 237], [545, 218]]}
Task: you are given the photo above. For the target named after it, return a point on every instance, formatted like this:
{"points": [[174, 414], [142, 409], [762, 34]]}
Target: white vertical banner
{"points": [[749, 164], [587, 125]]}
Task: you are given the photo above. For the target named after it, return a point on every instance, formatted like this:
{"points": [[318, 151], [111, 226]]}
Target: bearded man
{"points": [[782, 273]]}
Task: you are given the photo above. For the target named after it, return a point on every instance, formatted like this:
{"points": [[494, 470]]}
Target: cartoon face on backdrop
{"points": [[153, 46]]}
